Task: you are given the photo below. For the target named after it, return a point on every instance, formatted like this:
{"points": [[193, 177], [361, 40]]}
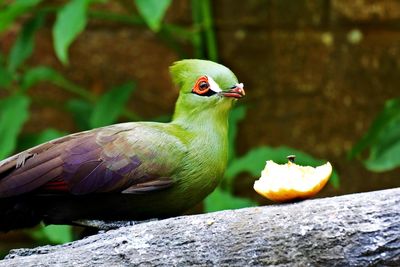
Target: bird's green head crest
{"points": [[205, 86], [186, 71]]}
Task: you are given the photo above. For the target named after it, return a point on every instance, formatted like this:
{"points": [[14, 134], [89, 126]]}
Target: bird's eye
{"points": [[201, 87]]}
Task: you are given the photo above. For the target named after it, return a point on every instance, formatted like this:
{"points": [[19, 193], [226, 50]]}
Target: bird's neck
{"points": [[209, 124], [206, 129], [207, 139], [208, 136]]}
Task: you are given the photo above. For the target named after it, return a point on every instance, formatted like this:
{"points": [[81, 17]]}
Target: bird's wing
{"points": [[127, 158]]}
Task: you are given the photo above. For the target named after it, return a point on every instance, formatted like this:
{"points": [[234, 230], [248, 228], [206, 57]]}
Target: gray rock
{"points": [[352, 230]]}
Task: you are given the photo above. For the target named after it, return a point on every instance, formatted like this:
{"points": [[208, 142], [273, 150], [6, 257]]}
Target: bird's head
{"points": [[205, 87]]}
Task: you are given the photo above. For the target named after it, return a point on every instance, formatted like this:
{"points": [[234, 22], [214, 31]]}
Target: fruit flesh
{"points": [[290, 181]]}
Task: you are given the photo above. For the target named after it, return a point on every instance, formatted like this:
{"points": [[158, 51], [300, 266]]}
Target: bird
{"points": [[128, 171]]}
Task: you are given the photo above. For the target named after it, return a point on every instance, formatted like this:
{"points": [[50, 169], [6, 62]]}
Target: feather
{"points": [[93, 162], [28, 180], [152, 185]]}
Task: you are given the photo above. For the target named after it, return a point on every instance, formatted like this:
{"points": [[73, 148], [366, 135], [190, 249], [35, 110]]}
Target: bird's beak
{"points": [[236, 91]]}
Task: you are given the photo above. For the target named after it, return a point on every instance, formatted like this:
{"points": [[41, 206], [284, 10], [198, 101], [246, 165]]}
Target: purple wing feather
{"points": [[36, 171], [87, 168], [88, 162]]}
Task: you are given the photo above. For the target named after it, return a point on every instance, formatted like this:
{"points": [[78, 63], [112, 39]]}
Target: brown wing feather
{"points": [[32, 168], [101, 160]]}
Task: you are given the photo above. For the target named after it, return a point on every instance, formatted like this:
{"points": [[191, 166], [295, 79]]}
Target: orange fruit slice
{"points": [[286, 182]]}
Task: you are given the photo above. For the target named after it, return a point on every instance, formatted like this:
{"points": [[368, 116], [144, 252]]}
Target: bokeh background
{"points": [[321, 77]]}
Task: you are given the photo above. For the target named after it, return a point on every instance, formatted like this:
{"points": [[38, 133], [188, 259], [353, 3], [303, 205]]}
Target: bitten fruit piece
{"points": [[286, 182]]}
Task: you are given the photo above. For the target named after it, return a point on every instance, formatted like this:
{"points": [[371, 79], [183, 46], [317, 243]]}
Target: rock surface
{"points": [[352, 230]]}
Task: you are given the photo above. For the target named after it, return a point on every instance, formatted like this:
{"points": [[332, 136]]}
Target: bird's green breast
{"points": [[193, 155], [206, 135], [199, 157]]}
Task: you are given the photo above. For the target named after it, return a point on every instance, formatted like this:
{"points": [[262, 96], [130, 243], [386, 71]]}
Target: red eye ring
{"points": [[201, 86]]}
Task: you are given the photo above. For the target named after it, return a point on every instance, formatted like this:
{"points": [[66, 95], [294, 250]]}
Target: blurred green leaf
{"points": [[236, 115], [56, 234], [383, 139], [39, 74], [222, 200], [49, 134], [70, 22], [23, 46], [13, 10], [254, 162], [5, 77], [81, 112], [179, 32], [153, 11], [30, 140], [13, 114], [42, 73], [390, 114], [385, 153], [110, 105]]}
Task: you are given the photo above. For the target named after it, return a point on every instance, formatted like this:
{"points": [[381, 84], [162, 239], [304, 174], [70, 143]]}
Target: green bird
{"points": [[128, 171]]}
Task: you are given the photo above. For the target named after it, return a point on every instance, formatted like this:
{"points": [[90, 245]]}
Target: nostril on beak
{"points": [[240, 88]]}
